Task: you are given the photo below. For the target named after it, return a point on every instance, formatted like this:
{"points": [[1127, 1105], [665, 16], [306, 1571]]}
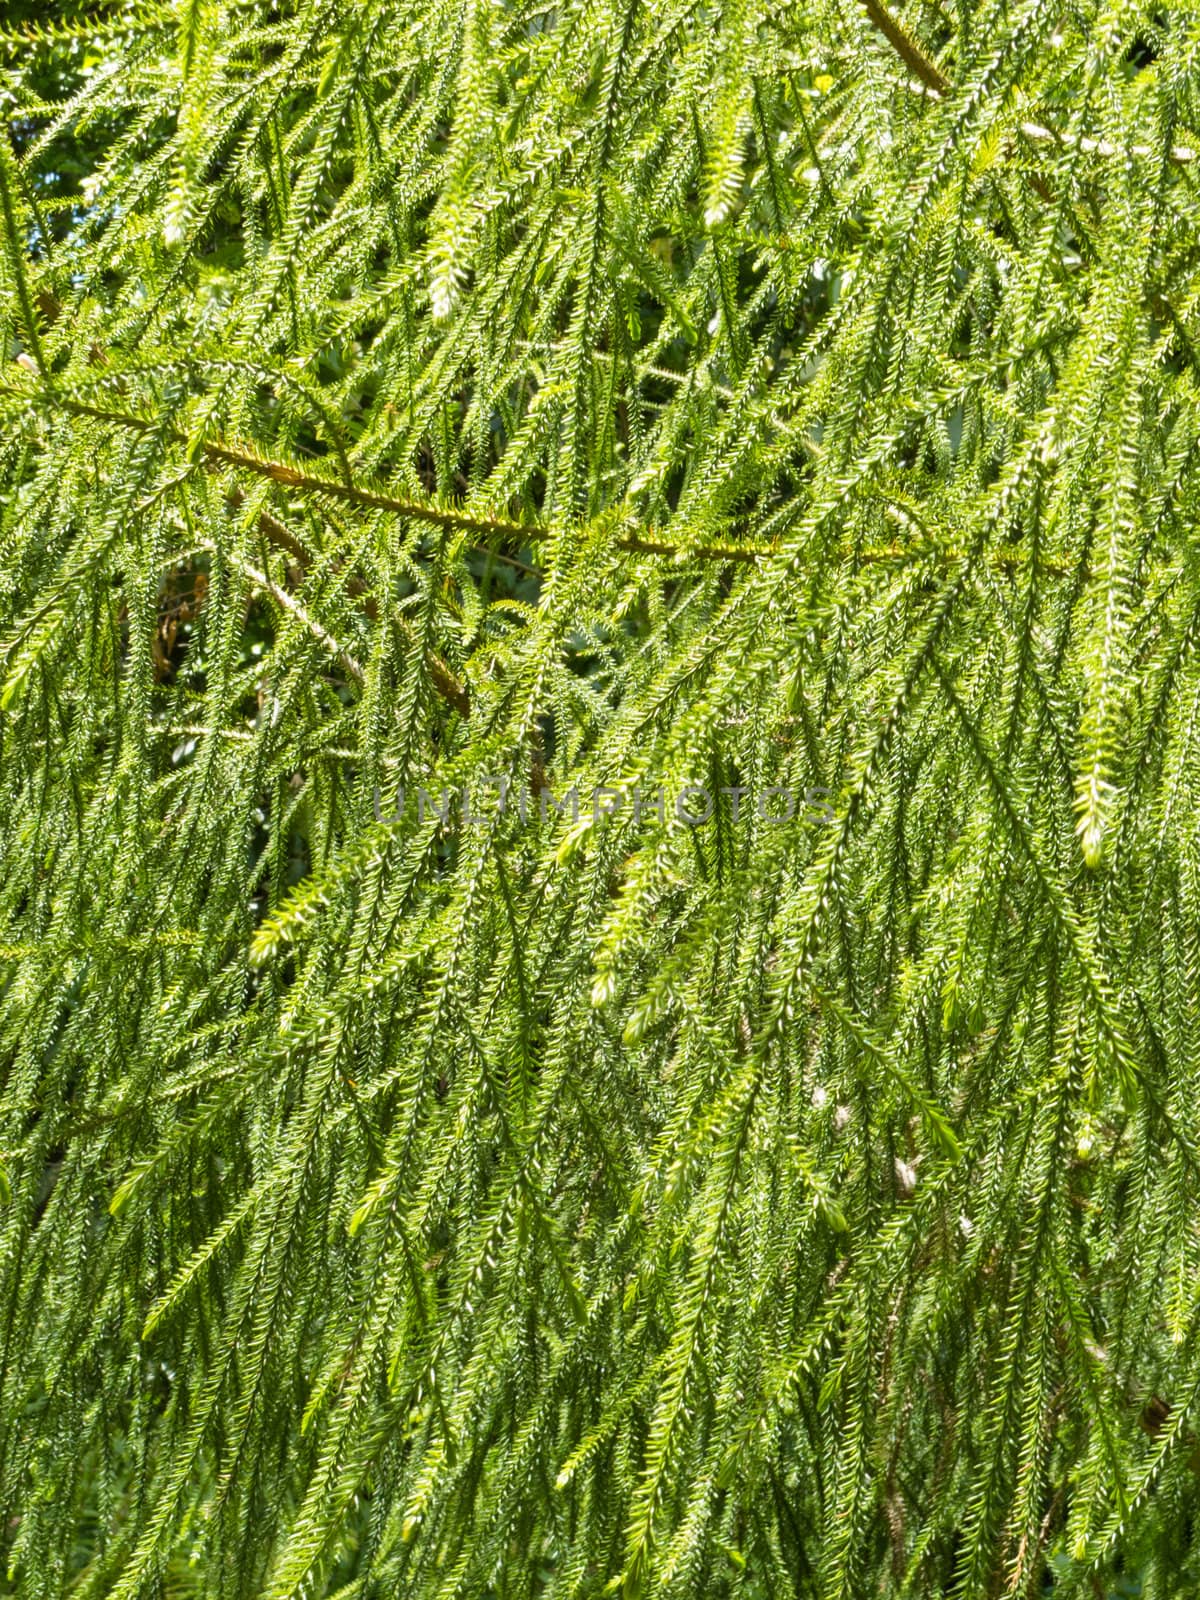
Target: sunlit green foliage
{"points": [[599, 393]]}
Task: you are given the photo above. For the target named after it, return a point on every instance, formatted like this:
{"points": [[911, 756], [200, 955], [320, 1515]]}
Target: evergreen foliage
{"points": [[733, 396]]}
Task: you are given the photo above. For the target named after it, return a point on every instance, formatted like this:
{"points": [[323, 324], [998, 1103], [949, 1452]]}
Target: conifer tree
{"points": [[773, 428]]}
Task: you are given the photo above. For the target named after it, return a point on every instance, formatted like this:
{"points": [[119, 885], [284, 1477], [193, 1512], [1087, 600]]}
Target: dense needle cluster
{"points": [[618, 394]]}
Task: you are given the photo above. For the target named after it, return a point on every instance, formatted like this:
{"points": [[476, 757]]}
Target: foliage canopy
{"points": [[700, 394]]}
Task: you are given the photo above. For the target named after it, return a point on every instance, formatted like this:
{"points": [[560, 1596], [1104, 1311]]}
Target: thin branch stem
{"points": [[934, 79], [455, 521], [906, 48]]}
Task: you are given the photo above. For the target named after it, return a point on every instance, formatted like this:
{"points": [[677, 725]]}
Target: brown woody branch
{"points": [[292, 477], [906, 48], [934, 79], [441, 675]]}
